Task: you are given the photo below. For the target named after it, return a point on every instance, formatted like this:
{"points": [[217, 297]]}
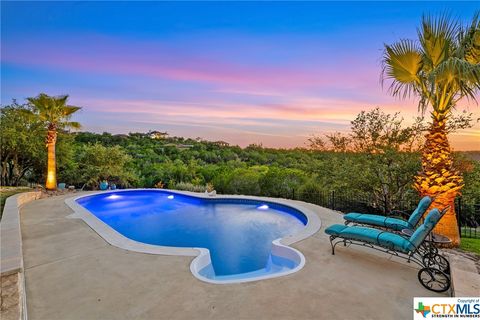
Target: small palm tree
{"points": [[441, 68], [56, 114]]}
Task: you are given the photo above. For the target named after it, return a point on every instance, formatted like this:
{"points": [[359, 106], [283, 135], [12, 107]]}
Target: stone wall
{"points": [[12, 284], [12, 296]]}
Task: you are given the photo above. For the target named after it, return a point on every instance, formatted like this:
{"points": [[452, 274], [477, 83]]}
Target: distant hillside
{"points": [[474, 155]]}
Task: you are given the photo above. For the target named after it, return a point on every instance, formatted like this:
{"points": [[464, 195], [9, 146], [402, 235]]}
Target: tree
{"points": [[317, 143], [55, 113], [387, 145], [377, 132], [382, 164], [21, 149], [334, 142], [97, 163], [281, 182], [441, 69]]}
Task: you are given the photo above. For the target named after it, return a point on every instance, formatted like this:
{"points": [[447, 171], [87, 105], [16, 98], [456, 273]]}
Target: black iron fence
{"points": [[348, 202], [468, 211], [468, 217]]}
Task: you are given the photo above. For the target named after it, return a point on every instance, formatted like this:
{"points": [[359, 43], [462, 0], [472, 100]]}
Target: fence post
{"points": [[333, 200], [458, 212], [293, 193]]}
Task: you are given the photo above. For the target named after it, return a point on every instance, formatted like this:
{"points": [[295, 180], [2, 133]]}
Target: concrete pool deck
{"points": [[72, 273]]}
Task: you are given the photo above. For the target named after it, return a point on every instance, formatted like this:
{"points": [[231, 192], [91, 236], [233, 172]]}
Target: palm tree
{"points": [[56, 114], [441, 68]]}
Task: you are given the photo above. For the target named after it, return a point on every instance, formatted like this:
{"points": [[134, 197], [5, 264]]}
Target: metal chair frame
{"points": [[424, 255]]}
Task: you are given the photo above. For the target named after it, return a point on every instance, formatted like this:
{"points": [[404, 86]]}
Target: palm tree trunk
{"points": [[51, 183], [439, 179]]}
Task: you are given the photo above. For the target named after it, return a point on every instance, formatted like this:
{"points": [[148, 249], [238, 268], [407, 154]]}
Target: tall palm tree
{"points": [[441, 68], [56, 114]]}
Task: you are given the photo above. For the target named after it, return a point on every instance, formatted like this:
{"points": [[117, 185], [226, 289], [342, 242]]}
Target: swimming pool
{"points": [[235, 239]]}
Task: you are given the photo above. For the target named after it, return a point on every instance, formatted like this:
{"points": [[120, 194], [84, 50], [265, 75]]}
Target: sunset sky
{"points": [[243, 72]]}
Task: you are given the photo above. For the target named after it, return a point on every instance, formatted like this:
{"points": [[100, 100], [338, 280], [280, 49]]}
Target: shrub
{"points": [[97, 163], [281, 182], [240, 181], [311, 192], [245, 181], [187, 186], [159, 185]]}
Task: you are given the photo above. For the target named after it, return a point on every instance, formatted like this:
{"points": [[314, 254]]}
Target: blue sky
{"points": [[246, 72]]}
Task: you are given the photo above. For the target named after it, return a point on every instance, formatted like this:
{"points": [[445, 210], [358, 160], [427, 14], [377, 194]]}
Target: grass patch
{"points": [[470, 245], [470, 232], [6, 192]]}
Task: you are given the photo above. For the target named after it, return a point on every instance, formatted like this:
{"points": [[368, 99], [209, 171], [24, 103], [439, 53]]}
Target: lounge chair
{"points": [[434, 267], [389, 222]]}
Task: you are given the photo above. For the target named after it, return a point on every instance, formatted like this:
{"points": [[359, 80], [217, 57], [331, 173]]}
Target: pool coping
{"points": [[202, 255]]}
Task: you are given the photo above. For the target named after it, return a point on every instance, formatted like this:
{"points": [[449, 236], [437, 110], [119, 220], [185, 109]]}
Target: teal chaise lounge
{"points": [[433, 274], [389, 222]]}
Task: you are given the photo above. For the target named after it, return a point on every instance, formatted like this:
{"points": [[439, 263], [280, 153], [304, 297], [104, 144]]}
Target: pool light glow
{"points": [[263, 207], [170, 196]]}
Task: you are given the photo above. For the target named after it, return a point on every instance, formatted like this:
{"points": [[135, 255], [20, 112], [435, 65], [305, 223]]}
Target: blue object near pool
{"points": [[103, 185], [389, 222], [242, 235]]}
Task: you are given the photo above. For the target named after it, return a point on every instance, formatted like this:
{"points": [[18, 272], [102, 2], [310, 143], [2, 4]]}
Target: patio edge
{"points": [[13, 296]]}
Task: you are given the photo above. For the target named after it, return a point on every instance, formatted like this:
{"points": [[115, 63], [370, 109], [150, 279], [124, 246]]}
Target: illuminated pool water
{"points": [[237, 232]]}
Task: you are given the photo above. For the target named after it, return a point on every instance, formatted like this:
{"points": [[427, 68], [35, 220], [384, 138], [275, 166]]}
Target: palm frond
{"points": [[61, 100], [401, 64], [72, 125], [437, 39], [52, 109], [469, 40], [458, 75], [40, 104], [69, 110]]}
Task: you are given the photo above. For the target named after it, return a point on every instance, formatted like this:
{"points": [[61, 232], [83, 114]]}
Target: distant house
{"points": [[157, 134], [221, 143]]}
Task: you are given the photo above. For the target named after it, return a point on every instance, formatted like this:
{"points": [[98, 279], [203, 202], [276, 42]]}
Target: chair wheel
{"points": [[434, 279], [436, 261]]}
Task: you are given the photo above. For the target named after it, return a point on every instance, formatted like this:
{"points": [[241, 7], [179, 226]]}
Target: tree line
{"points": [[382, 167]]}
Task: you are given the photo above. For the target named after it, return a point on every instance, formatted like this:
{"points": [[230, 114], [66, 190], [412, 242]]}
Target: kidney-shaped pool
{"points": [[242, 235]]}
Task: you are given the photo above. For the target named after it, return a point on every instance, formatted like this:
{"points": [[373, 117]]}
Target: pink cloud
{"points": [[109, 56], [327, 92], [313, 109]]}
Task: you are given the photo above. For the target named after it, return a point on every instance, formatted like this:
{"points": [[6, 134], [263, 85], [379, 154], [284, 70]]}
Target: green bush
{"points": [[187, 186], [97, 163], [311, 192], [281, 182], [244, 181]]}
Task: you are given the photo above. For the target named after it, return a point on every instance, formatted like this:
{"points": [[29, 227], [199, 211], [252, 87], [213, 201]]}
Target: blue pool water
{"points": [[238, 233]]}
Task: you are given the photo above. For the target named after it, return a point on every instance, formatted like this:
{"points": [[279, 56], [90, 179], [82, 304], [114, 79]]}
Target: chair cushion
{"points": [[335, 229], [419, 211], [383, 238], [421, 233], [391, 223], [377, 220]]}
